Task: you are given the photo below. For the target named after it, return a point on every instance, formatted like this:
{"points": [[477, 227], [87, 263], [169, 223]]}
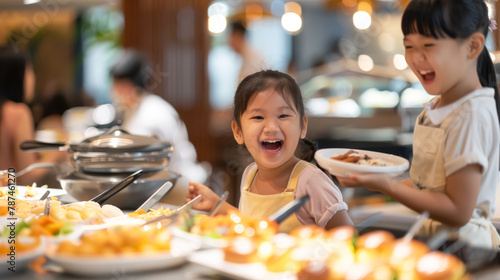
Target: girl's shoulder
{"points": [[312, 173]]}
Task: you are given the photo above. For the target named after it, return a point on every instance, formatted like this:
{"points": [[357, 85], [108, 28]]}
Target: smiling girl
{"points": [[269, 120], [454, 172]]}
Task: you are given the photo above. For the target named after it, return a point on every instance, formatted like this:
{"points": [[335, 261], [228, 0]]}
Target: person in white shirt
{"points": [[252, 60], [144, 113]]}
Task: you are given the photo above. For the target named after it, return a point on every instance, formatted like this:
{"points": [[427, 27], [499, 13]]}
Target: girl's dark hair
{"points": [[282, 84], [263, 80], [457, 19], [12, 68]]}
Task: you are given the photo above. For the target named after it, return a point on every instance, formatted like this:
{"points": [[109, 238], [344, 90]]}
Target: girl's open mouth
{"points": [[428, 75], [271, 145]]}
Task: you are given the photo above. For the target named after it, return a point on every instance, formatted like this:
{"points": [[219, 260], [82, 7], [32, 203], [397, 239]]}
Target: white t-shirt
{"points": [[252, 61], [155, 117]]}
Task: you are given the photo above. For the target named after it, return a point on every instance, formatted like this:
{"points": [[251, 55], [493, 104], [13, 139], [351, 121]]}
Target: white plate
{"points": [[344, 169], [204, 242], [214, 259], [180, 250], [39, 192]]}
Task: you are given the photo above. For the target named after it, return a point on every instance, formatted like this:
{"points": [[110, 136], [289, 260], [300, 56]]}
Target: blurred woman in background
{"points": [[17, 87], [144, 113]]}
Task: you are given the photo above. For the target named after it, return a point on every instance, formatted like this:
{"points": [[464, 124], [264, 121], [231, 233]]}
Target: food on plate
{"points": [[370, 271], [242, 250], [370, 246], [79, 211], [281, 258], [437, 265], [40, 226], [308, 232], [314, 270], [402, 255], [231, 225], [22, 245], [124, 241], [151, 214], [361, 159], [31, 191], [24, 208]]}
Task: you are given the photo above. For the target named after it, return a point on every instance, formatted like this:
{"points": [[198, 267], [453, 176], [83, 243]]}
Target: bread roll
{"points": [[437, 265]]}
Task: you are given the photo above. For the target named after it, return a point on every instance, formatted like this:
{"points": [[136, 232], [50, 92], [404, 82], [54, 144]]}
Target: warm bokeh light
{"points": [[362, 20], [217, 23], [293, 7], [253, 12], [291, 22], [399, 62], [365, 7], [350, 3], [218, 8], [365, 62]]}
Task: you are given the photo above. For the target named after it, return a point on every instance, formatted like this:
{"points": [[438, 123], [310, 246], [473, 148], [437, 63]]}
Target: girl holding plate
{"points": [[454, 172]]}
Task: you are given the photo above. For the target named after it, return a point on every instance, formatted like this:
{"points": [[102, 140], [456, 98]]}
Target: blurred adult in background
{"points": [[144, 113], [17, 85], [252, 60]]}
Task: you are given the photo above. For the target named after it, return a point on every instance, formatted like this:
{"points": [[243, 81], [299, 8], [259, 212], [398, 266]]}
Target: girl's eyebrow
{"points": [[258, 110]]}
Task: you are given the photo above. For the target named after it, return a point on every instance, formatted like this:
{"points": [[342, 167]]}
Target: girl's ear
{"points": [[475, 45], [238, 135], [303, 132]]}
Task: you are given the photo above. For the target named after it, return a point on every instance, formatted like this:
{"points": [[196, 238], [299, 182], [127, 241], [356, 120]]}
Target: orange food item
{"points": [[119, 241], [234, 224], [348, 157], [241, 250], [42, 225], [21, 246], [437, 265]]}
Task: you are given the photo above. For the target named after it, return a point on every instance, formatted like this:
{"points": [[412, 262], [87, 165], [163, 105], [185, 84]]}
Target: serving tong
{"points": [[285, 211], [105, 195], [155, 197], [222, 199]]}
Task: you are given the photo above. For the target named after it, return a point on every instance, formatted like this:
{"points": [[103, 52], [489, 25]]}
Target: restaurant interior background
{"points": [[347, 55]]}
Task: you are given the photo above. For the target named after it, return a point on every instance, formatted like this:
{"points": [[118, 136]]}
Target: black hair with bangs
{"points": [[457, 19], [263, 80]]}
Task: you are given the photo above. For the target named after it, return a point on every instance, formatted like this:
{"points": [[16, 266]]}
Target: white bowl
{"points": [[338, 168]]}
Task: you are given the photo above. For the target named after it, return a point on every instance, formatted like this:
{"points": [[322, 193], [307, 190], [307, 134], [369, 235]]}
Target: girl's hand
{"points": [[374, 182], [208, 197]]}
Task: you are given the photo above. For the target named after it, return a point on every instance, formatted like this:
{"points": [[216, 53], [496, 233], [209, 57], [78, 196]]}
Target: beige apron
{"points": [[262, 206], [428, 173]]}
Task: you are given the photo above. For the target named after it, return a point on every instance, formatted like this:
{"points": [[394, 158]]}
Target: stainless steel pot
{"points": [[84, 186], [115, 151]]}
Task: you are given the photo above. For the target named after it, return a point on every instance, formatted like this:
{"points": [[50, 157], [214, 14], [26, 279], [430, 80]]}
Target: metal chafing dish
{"points": [[99, 162], [115, 151]]}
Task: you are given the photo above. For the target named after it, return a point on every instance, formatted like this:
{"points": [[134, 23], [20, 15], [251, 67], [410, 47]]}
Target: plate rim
{"points": [[217, 255], [78, 265], [322, 160]]}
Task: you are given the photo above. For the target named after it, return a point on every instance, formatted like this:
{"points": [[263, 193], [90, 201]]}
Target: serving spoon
{"points": [[416, 226]]}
